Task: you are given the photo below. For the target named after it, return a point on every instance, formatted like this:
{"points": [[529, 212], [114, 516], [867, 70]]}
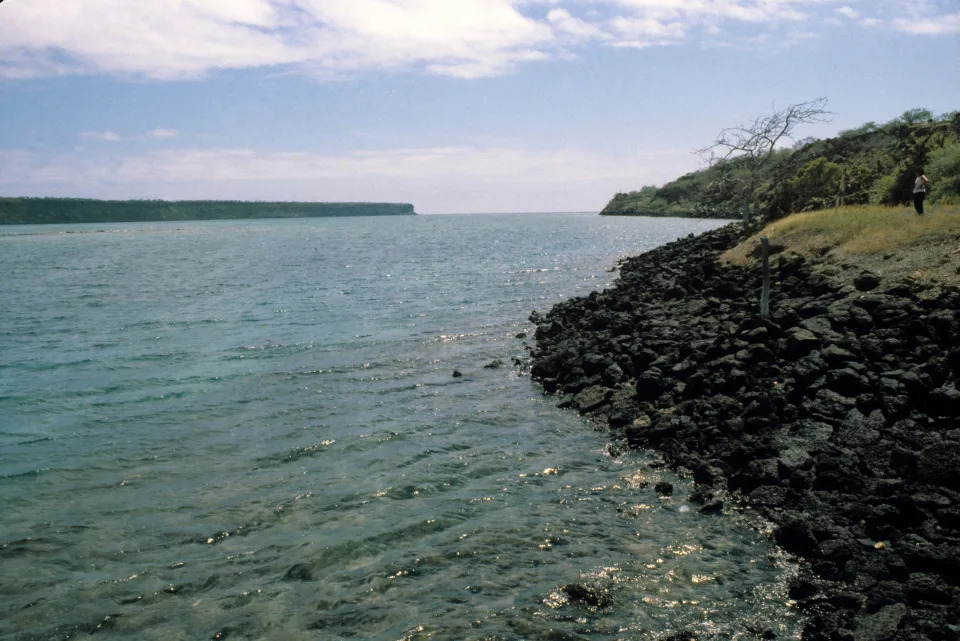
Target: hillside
{"points": [[870, 164], [35, 211]]}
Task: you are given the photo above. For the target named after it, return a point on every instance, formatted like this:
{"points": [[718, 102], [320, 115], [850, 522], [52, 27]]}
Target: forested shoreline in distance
{"points": [[38, 211]]}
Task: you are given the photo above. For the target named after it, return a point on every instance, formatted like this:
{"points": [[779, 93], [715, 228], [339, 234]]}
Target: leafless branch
{"points": [[758, 139]]}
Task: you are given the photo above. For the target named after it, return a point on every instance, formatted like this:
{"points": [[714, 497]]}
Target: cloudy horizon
{"points": [[477, 105]]}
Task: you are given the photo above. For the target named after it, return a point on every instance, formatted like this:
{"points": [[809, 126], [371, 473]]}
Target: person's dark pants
{"points": [[918, 201]]}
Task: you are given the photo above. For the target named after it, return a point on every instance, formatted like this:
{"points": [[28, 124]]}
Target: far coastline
{"points": [[47, 211]]}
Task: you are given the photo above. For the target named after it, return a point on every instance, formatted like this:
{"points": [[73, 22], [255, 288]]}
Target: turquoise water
{"points": [[250, 430]]}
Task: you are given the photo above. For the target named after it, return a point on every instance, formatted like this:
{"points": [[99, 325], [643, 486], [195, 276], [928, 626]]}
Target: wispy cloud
{"points": [[948, 24], [210, 165], [565, 23], [436, 179], [168, 39], [102, 136], [173, 39], [848, 12], [163, 133], [741, 10]]}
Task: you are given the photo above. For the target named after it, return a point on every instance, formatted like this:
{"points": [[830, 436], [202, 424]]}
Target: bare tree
{"points": [[757, 139]]}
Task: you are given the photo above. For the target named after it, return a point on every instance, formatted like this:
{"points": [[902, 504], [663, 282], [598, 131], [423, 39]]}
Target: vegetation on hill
{"points": [[36, 211], [870, 164]]}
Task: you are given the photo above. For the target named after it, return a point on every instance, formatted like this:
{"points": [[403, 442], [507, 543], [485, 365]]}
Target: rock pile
{"points": [[836, 418]]}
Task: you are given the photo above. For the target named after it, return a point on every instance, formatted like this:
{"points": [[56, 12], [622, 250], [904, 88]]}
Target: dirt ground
{"points": [[929, 267]]}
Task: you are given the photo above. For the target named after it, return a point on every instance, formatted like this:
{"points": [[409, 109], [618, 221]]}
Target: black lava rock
{"points": [[836, 419]]}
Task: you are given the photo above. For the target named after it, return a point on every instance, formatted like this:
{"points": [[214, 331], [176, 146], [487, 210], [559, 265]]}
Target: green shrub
{"points": [[816, 184], [883, 191], [943, 169]]}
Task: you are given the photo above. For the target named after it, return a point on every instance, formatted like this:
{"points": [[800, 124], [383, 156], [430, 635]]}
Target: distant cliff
{"points": [[36, 211]]}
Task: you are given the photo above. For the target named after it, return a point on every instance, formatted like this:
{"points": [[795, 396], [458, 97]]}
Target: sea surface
{"points": [[251, 430]]}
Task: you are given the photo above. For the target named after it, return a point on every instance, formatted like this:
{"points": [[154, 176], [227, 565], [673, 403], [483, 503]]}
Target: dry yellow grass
{"points": [[867, 229], [891, 241]]}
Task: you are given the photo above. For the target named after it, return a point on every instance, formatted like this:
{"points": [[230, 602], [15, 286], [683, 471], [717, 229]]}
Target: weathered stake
{"points": [[765, 291]]}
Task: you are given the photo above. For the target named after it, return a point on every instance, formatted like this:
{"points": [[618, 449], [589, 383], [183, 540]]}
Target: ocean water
{"points": [[251, 430]]}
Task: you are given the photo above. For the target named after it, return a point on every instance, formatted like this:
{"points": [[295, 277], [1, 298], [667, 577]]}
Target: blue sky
{"points": [[454, 105]]}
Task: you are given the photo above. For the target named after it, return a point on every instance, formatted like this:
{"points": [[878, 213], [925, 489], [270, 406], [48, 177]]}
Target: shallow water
{"points": [[250, 430]]}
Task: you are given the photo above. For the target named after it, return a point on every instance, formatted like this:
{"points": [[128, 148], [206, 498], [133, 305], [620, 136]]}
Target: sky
{"points": [[456, 106]]}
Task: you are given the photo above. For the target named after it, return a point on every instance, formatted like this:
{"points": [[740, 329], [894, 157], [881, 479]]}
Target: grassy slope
{"points": [[892, 242]]}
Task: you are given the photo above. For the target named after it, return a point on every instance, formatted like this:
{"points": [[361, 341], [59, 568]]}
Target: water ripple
{"points": [[248, 430]]}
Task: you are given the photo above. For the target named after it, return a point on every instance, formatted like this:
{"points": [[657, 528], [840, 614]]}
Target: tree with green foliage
{"points": [[816, 183], [915, 116], [943, 169]]}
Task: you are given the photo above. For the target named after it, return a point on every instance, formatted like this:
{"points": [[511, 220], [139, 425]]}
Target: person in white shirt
{"points": [[919, 191]]}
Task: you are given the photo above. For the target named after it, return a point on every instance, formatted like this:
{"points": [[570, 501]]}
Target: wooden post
{"points": [[843, 187], [765, 291], [748, 218], [841, 191]]}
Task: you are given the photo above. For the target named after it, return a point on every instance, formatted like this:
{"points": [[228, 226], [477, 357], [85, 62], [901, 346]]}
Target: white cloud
{"points": [[564, 22], [439, 179], [847, 12], [649, 30], [164, 133], [467, 38], [211, 165], [168, 39], [161, 39], [102, 136], [947, 24], [174, 39], [741, 10]]}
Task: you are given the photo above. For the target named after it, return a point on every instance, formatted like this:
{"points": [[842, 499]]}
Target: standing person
{"points": [[919, 191]]}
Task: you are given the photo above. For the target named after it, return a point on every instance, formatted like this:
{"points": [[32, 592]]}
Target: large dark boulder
{"points": [[591, 398], [800, 342], [866, 281], [796, 536], [940, 465]]}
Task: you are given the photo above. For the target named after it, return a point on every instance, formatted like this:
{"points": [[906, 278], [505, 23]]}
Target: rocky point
{"points": [[835, 418]]}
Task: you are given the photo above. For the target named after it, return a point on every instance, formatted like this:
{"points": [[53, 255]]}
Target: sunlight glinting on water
{"points": [[217, 430]]}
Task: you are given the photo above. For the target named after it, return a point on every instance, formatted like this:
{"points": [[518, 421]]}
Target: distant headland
{"points": [[39, 211]]}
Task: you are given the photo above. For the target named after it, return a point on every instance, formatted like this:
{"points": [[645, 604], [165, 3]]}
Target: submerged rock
{"points": [[299, 572], [664, 489], [592, 596]]}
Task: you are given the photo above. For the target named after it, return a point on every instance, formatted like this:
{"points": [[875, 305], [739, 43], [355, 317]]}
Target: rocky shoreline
{"points": [[836, 419]]}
